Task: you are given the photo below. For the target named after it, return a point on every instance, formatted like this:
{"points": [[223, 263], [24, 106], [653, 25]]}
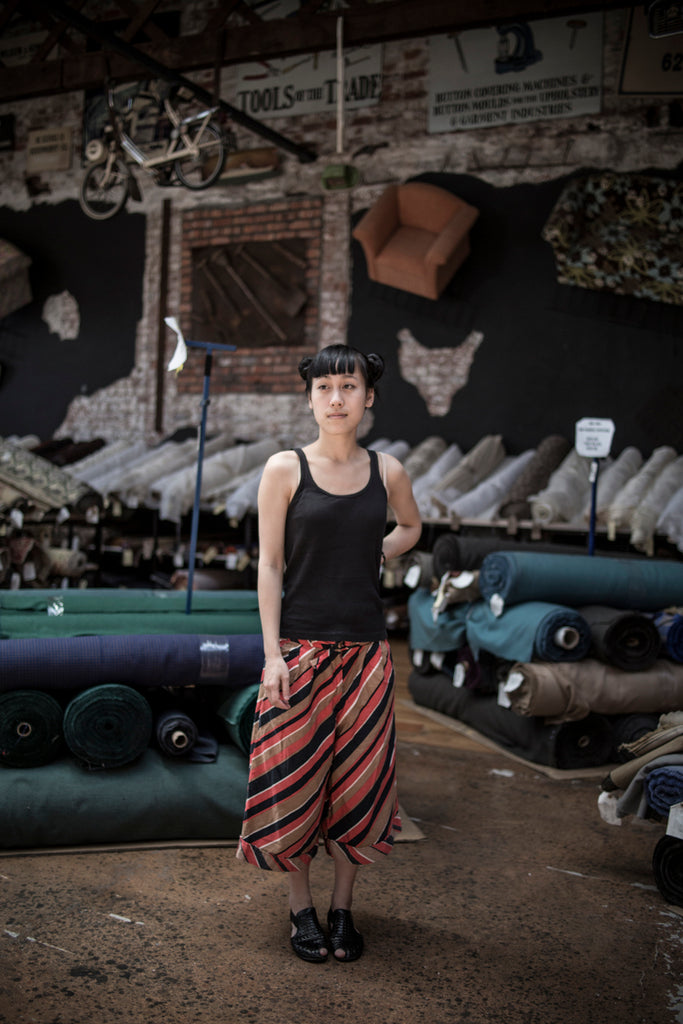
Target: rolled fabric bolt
{"points": [[30, 728]]}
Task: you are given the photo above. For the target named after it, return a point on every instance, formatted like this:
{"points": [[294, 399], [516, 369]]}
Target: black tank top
{"points": [[333, 551]]}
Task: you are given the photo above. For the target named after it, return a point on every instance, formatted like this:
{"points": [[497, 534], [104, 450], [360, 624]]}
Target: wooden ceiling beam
{"points": [[307, 32]]}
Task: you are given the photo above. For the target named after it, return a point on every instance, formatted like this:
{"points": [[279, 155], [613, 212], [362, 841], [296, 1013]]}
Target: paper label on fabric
{"points": [[497, 604], [674, 826], [56, 606], [215, 658]]}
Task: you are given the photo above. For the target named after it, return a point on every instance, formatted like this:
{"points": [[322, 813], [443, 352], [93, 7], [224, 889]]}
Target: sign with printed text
{"points": [[307, 84], [593, 438], [515, 72], [48, 150], [650, 66]]}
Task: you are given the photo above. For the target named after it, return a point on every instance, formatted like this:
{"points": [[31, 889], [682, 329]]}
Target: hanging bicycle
{"points": [[192, 155]]}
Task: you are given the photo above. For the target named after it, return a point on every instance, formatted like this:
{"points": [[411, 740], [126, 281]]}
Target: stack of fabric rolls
{"points": [[650, 785], [119, 739], [560, 658]]}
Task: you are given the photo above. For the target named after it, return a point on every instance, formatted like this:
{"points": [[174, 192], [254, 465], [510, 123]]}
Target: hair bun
{"points": [[375, 366], [304, 367]]}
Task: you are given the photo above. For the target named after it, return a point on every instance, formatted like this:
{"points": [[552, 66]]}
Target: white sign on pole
{"points": [[515, 72], [593, 438]]}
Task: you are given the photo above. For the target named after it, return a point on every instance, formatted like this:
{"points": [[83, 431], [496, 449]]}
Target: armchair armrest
{"points": [[451, 236]]}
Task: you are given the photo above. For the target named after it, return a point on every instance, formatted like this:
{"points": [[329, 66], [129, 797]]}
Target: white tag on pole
{"points": [[593, 438]]}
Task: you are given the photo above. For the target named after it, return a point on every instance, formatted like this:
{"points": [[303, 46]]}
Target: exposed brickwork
{"points": [[245, 371]]}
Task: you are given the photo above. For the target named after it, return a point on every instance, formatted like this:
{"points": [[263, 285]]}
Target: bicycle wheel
{"points": [[103, 194], [202, 170]]}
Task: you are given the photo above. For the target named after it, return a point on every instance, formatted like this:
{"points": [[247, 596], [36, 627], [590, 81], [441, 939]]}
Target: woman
{"points": [[322, 761]]}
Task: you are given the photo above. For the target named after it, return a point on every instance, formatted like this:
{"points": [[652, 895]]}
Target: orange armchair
{"points": [[415, 237]]}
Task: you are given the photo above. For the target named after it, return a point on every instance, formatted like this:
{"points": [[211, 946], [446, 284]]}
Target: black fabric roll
{"points": [[176, 733], [526, 738], [584, 744], [30, 728], [627, 639], [628, 729], [108, 726], [569, 745], [453, 552], [667, 865]]}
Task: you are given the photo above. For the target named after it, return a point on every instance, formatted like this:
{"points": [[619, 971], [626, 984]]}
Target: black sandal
{"points": [[343, 935], [309, 937]]}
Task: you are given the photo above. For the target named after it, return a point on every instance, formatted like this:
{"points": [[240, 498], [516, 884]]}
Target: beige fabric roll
{"points": [[420, 458], [632, 493], [480, 460], [568, 691], [670, 523]]}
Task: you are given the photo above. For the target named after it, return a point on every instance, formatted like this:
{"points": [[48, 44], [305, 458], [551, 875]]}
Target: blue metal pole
{"points": [[208, 361], [595, 466]]}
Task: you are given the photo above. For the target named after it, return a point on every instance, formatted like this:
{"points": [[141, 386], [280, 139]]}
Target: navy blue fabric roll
{"points": [[510, 577], [108, 726], [533, 629], [77, 662], [176, 733], [664, 788], [30, 728], [670, 628]]}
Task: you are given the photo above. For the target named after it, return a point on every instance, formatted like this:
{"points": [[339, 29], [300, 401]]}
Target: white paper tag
{"points": [[674, 826]]}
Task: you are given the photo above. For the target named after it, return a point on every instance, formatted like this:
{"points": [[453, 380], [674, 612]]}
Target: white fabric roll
{"points": [[670, 522], [626, 501], [644, 519], [488, 494], [566, 492]]}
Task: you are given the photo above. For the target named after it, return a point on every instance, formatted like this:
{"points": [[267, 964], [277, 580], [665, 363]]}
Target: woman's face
{"points": [[339, 400]]}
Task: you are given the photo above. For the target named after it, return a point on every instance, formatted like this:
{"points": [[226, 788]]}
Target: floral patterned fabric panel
{"points": [[620, 233]]}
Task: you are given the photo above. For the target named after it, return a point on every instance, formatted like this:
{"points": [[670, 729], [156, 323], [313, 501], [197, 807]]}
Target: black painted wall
{"points": [[551, 354], [101, 263]]}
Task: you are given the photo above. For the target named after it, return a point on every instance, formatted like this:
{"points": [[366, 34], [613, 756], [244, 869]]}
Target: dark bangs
{"points": [[337, 359]]}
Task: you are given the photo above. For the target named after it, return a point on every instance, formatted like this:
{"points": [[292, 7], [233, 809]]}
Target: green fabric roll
{"points": [[108, 726], [236, 712], [156, 799], [111, 612], [30, 728]]}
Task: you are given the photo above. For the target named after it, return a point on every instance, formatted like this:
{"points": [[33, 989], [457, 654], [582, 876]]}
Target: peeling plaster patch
{"points": [[437, 373], [62, 316]]}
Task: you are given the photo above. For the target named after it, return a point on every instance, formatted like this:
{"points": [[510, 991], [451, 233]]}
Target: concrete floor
{"points": [[518, 906]]}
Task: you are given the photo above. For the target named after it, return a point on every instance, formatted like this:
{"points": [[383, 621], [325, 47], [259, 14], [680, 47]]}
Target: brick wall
{"points": [[387, 143], [271, 370]]}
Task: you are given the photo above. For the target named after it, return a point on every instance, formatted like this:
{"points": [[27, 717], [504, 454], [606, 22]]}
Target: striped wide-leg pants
{"points": [[326, 767]]}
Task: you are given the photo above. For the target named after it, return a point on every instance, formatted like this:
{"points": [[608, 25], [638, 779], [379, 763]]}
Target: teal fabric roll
{"points": [[543, 631], [447, 633], [236, 712], [511, 577], [108, 726], [109, 612], [155, 799], [30, 728]]}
